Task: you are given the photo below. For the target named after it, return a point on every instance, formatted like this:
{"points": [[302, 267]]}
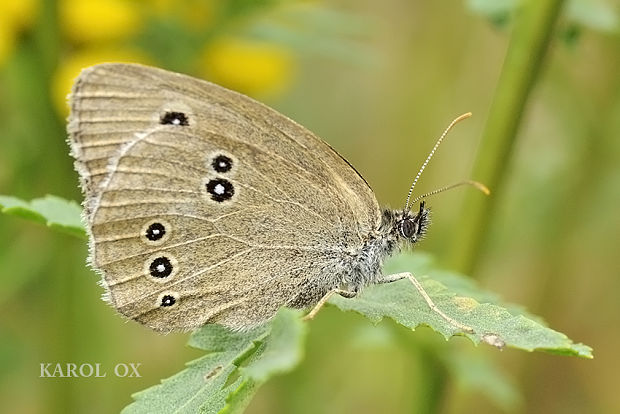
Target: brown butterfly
{"points": [[205, 206]]}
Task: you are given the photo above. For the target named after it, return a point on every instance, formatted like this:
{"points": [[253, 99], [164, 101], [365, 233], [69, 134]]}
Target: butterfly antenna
{"points": [[415, 181], [475, 184]]}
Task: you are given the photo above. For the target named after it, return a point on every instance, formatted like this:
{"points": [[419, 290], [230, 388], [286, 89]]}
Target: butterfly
{"points": [[203, 205]]}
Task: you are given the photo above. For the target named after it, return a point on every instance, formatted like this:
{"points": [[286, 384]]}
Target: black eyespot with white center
{"points": [[222, 163], [161, 267], [220, 189], [167, 300], [174, 118], [155, 231]]}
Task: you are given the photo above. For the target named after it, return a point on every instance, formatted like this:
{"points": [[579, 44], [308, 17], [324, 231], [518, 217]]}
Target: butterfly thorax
{"points": [[397, 228]]}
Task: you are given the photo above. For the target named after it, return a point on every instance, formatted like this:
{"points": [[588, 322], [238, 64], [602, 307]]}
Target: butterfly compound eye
{"points": [[408, 228]]}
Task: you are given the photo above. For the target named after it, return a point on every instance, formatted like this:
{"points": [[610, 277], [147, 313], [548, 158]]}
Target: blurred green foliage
{"points": [[378, 81]]}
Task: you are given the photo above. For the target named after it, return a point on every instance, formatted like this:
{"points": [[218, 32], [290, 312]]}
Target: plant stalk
{"points": [[532, 33]]}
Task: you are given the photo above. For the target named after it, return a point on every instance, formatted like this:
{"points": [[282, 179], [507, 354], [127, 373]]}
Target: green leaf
{"points": [[494, 323], [421, 263], [237, 363], [282, 351], [55, 212]]}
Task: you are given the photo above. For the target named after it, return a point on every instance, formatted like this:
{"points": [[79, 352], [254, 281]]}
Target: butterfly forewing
{"points": [[204, 205]]}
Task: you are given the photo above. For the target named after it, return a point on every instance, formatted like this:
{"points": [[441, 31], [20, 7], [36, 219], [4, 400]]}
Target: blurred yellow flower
{"points": [[71, 67], [18, 13], [90, 21], [14, 16], [252, 67]]}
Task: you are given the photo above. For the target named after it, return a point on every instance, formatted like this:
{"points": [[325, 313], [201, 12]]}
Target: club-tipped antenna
{"points": [[475, 184], [430, 155]]}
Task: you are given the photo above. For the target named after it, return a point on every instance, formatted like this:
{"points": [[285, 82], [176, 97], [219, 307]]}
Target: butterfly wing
{"points": [[204, 205]]}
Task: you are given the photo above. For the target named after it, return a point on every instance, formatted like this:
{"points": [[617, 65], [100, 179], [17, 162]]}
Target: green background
{"points": [[379, 81]]}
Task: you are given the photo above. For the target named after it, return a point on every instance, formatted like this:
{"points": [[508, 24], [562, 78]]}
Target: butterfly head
{"points": [[412, 226]]}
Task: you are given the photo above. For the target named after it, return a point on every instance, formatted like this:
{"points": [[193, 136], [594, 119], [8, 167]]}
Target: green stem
{"points": [[530, 39], [430, 393]]}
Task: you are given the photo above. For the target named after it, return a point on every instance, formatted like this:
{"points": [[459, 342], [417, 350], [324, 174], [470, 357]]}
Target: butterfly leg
{"points": [[406, 275], [325, 298]]}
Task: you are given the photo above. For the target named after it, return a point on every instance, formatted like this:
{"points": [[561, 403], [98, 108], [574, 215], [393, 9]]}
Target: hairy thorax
{"points": [[352, 269], [366, 263]]}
